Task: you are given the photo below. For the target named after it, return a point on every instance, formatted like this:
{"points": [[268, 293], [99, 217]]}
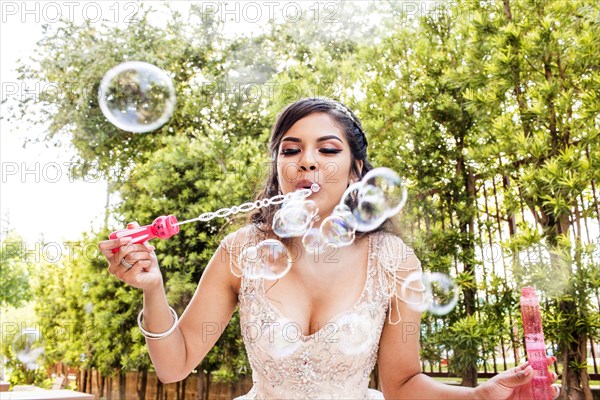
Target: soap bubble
{"points": [[367, 205], [378, 196], [340, 227], [313, 241], [389, 185], [136, 96], [28, 347], [268, 260], [294, 218], [430, 291], [85, 287]]}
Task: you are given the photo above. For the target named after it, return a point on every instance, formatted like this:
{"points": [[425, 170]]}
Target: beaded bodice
{"points": [[334, 362]]}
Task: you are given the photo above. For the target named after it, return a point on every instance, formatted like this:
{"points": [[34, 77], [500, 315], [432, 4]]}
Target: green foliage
{"points": [[471, 342], [14, 273]]}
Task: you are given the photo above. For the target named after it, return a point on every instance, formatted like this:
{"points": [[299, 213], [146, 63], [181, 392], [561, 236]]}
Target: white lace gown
{"points": [[336, 361]]}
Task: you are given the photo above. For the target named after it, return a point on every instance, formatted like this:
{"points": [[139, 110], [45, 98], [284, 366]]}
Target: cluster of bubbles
{"points": [[364, 206], [137, 96]]}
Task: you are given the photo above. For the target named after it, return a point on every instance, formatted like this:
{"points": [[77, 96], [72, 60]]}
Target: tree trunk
{"points": [[573, 386], [83, 380], [207, 386], [101, 384], [200, 394], [122, 385], [469, 378], [583, 374], [159, 390], [109, 388], [90, 377]]}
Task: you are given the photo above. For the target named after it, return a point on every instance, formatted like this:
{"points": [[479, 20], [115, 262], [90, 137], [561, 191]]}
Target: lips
{"points": [[304, 184]]}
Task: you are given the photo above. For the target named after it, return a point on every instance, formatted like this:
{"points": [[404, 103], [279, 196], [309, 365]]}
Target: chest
{"points": [[320, 286]]}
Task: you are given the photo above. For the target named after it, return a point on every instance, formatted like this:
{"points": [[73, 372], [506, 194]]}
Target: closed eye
{"points": [[330, 151], [287, 152]]}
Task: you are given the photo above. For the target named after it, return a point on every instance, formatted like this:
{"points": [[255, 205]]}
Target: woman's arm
{"points": [[399, 363], [204, 319], [200, 326]]}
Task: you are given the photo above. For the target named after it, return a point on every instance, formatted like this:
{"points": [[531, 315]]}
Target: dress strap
{"points": [[396, 262], [236, 244]]}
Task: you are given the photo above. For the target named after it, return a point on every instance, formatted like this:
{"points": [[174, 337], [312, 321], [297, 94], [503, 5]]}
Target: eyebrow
{"points": [[321, 139]]}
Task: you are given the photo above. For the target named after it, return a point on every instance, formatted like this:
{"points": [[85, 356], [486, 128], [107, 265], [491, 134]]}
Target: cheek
{"points": [[287, 173], [336, 172]]}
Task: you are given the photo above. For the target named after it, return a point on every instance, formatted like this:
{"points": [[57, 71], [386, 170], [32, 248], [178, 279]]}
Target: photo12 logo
{"points": [[72, 11], [452, 11], [268, 11]]}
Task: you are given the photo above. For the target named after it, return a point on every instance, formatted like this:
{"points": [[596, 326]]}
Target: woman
{"points": [[318, 331]]}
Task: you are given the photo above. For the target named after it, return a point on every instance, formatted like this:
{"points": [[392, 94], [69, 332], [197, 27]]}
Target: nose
{"points": [[308, 164]]}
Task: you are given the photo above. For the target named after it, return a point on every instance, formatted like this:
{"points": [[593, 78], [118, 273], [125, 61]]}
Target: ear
{"points": [[359, 166]]}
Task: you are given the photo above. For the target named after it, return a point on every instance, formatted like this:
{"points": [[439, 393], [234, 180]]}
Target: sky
{"points": [[37, 196]]}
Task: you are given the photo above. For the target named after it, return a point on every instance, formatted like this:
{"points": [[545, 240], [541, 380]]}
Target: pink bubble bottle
{"points": [[534, 344]]}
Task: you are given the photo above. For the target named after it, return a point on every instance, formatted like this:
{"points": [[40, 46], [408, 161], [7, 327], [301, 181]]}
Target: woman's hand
{"points": [[134, 264], [514, 384]]}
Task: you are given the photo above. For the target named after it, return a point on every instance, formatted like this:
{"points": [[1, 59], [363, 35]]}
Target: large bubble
{"points": [[28, 347], [379, 195], [137, 96], [294, 218], [367, 205], [267, 260], [434, 292], [313, 241], [340, 227], [388, 185]]}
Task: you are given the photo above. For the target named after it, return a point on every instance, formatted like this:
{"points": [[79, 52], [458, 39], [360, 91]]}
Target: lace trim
{"points": [[396, 265]]}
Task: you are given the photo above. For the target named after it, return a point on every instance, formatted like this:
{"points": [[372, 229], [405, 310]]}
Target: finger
{"points": [[553, 377], [518, 376], [140, 261], [556, 390], [550, 360], [107, 246], [118, 266], [131, 253], [128, 249], [122, 272]]}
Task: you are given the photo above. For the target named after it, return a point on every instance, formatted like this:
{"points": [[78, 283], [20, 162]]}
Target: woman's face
{"points": [[315, 150]]}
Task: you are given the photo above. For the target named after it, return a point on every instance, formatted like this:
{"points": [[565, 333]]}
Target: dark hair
{"points": [[346, 120]]}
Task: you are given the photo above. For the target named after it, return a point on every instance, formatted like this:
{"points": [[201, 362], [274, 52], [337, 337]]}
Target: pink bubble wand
{"points": [[167, 226]]}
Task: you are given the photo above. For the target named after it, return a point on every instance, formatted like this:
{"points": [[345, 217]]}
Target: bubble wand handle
{"points": [[166, 226], [163, 227], [534, 345]]}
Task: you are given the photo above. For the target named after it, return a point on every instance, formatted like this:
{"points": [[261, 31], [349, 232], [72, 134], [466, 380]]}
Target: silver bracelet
{"points": [[150, 335]]}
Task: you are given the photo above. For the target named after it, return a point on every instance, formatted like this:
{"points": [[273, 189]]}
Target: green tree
{"points": [[535, 79], [15, 271]]}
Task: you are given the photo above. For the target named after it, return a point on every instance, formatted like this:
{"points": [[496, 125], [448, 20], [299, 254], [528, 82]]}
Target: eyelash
{"points": [[287, 152]]}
